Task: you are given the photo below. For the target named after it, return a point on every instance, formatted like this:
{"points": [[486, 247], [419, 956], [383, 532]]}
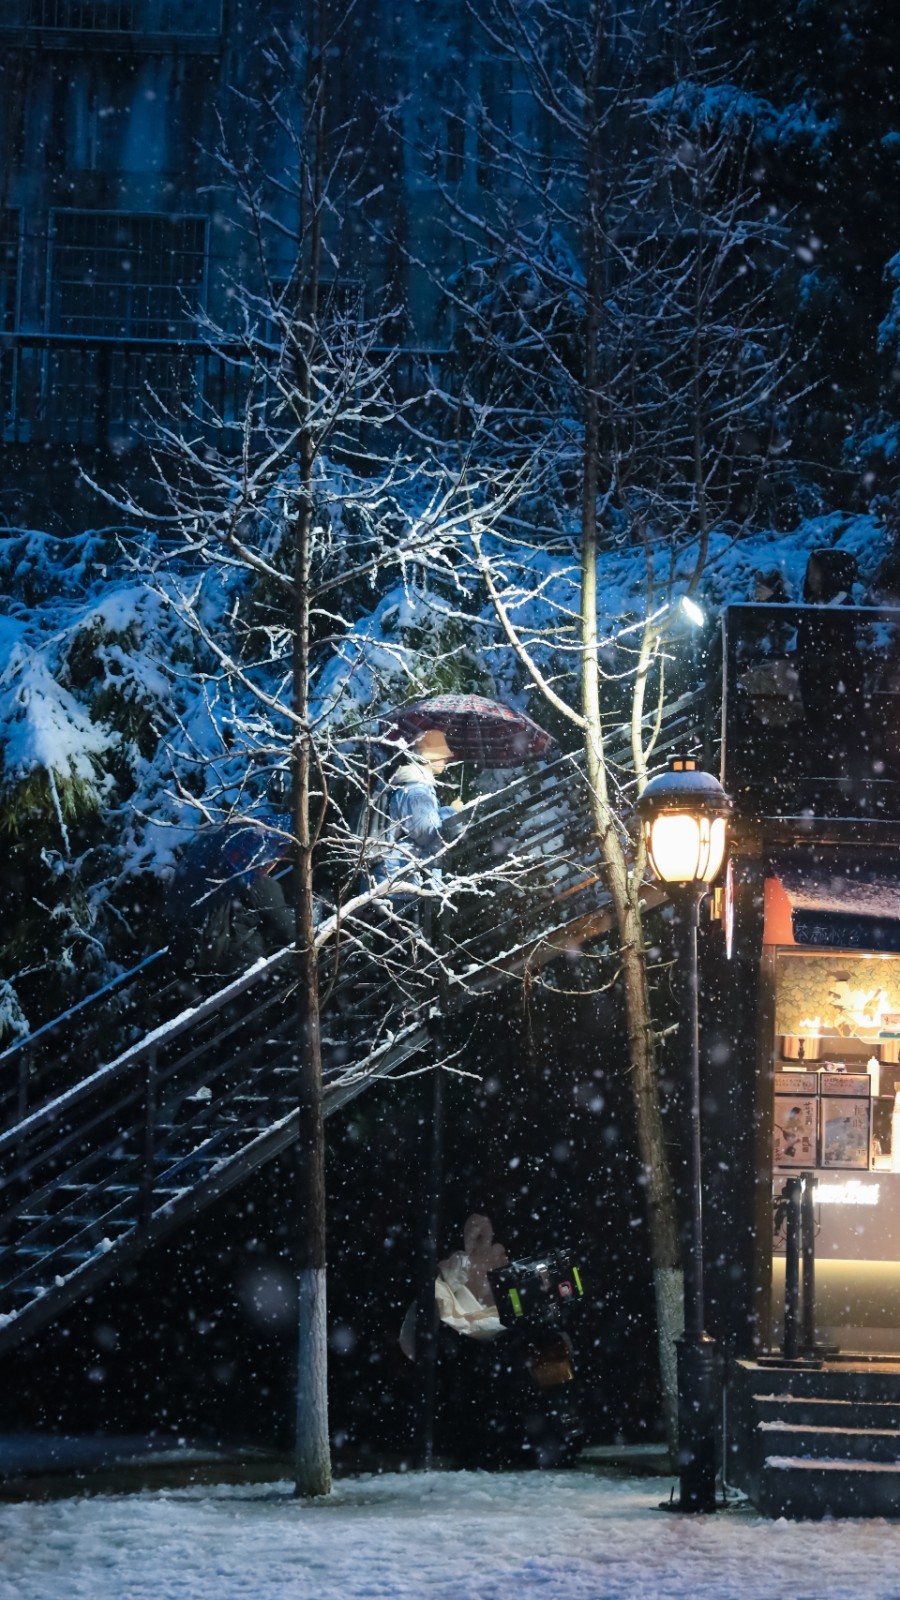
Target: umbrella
{"points": [[476, 729], [217, 859]]}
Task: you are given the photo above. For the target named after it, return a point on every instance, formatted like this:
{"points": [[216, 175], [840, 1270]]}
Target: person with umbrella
{"points": [[409, 819], [408, 825]]}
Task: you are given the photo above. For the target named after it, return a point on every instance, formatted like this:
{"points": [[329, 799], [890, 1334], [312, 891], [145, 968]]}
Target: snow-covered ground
{"points": [[451, 1536]]}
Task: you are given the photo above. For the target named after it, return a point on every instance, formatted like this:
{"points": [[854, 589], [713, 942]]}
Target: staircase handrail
{"points": [[164, 1033], [192, 1016], [28, 1039]]}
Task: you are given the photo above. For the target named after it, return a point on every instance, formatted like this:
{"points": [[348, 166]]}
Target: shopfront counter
{"points": [[857, 1262]]}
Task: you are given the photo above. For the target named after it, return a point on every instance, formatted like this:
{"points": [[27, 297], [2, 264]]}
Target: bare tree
{"points": [[613, 325], [284, 529]]}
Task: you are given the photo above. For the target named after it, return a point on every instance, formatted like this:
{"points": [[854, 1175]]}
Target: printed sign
{"points": [[844, 1131], [796, 1118]]}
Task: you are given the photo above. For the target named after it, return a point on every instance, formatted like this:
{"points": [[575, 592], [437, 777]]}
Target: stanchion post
{"points": [[792, 1193]]}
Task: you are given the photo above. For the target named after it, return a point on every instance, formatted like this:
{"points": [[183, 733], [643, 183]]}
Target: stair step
{"points": [[791, 1486], [91, 1221], [810, 1410], [814, 1443], [850, 1381], [60, 1249], [262, 1099]]}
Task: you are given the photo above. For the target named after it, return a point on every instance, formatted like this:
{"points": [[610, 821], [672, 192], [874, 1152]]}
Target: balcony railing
{"points": [[78, 389], [108, 393], [193, 19], [811, 711]]}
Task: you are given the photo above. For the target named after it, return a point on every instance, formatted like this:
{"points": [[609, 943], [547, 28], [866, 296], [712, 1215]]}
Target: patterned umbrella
{"points": [[476, 729]]}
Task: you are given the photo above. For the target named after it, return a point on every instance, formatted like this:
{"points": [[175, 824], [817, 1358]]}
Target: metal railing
{"points": [[113, 1160], [111, 392], [555, 894], [190, 18], [800, 1336], [33, 1068], [101, 393]]}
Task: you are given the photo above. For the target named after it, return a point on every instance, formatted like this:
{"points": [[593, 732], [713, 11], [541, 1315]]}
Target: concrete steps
{"points": [[793, 1486], [815, 1442]]}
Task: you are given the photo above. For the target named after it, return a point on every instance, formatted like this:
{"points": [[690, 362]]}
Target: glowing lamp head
{"points": [[684, 815]]}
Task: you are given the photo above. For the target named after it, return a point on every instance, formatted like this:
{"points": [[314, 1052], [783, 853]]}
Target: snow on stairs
{"points": [[91, 1179], [815, 1442]]}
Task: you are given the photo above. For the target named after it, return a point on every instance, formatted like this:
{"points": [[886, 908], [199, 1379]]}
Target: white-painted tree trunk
{"points": [[313, 1458], [668, 1288]]}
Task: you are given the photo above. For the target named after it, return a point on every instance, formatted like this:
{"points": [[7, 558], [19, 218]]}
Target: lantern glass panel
{"points": [[675, 846], [716, 848], [686, 848]]}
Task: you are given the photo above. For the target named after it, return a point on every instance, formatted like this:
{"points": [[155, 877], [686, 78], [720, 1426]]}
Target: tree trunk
{"points": [[660, 1198], [662, 1222], [313, 1454], [662, 1225]]}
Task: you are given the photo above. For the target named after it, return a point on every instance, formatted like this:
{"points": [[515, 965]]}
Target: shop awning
{"points": [[840, 902]]}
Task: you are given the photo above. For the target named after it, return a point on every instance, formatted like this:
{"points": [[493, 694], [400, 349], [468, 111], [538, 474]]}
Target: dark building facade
{"points": [[121, 233]]}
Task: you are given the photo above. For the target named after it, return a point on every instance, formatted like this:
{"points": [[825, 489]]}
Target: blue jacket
{"points": [[412, 830]]}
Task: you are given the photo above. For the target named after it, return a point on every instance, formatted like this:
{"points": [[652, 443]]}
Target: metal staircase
{"points": [[95, 1168], [138, 1147]]}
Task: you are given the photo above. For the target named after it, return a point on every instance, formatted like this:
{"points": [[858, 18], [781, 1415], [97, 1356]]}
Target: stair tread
{"points": [[817, 1400], [829, 1464], [824, 1428]]}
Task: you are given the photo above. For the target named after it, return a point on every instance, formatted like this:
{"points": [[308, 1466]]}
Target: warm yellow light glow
{"points": [[716, 849], [851, 1193], [686, 848]]}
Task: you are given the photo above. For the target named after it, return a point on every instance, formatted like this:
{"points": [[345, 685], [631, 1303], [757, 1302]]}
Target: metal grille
{"points": [[9, 269], [9, 305], [113, 274], [109, 394], [112, 396], [196, 18]]}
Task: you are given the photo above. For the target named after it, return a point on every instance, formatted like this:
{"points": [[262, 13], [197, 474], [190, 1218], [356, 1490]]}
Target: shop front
{"points": [[803, 1011], [836, 1112]]}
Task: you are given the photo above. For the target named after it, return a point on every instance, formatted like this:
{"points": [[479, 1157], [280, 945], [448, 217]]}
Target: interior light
{"points": [[851, 1193]]}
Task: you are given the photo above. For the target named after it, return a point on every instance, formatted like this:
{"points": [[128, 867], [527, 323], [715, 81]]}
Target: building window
{"points": [[9, 270], [196, 18], [494, 126], [456, 148], [115, 275]]}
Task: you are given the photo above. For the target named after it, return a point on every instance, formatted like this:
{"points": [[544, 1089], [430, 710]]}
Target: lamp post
{"points": [[683, 816]]}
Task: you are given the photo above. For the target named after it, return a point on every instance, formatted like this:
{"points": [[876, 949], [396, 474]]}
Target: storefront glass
{"points": [[836, 1086]]}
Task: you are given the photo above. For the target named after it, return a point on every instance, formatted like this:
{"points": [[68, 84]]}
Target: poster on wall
{"points": [[796, 1121], [836, 996], [845, 1123]]}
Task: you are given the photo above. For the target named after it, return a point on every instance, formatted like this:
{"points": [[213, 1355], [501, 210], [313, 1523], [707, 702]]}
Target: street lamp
{"points": [[683, 815]]}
